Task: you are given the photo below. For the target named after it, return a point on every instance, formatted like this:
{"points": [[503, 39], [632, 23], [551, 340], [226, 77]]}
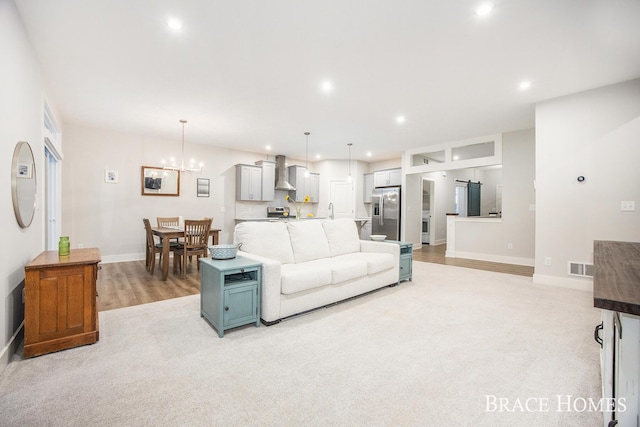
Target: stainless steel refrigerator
{"points": [[385, 216]]}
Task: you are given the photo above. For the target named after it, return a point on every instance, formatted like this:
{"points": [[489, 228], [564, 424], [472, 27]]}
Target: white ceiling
{"points": [[248, 73]]}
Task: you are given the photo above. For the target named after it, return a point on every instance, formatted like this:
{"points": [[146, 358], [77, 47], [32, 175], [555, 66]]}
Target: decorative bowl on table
{"points": [[378, 237], [224, 251]]}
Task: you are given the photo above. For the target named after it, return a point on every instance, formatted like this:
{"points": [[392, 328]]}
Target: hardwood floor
{"points": [[123, 284], [435, 254]]}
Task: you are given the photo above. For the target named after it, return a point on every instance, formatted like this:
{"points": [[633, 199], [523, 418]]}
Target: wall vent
{"points": [[581, 269]]}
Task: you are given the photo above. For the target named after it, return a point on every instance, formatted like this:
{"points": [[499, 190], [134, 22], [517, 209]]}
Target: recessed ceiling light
{"points": [[174, 23], [484, 9], [525, 85], [327, 86], [268, 147], [369, 154], [318, 156], [400, 119]]}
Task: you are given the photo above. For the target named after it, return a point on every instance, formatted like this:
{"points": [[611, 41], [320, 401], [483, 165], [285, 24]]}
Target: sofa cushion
{"points": [[343, 270], [342, 235], [302, 277], [308, 240], [376, 261], [267, 239]]}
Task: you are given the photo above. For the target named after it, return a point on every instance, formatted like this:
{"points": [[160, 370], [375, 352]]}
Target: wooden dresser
{"points": [[60, 301]]}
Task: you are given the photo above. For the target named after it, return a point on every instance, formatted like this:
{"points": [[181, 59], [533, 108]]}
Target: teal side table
{"points": [[406, 259], [230, 292]]}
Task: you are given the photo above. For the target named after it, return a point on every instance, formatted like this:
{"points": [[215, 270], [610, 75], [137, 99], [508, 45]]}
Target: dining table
{"points": [[168, 233]]}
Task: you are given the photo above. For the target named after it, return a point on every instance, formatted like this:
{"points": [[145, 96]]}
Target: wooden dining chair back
{"points": [[196, 238], [172, 221], [154, 248]]}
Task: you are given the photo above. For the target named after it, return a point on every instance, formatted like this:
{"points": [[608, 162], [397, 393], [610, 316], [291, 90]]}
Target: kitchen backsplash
{"points": [[259, 209]]}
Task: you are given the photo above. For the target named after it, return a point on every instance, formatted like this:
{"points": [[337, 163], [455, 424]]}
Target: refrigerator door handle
{"points": [[381, 209]]}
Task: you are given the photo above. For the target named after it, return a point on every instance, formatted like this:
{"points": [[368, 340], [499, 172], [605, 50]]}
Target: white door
{"points": [[341, 196]]}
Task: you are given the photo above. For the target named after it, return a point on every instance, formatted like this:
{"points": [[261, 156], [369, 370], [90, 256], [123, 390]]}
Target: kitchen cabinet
{"points": [[60, 301], [268, 180], [616, 290], [248, 182], [313, 187], [305, 186], [367, 190], [619, 336], [230, 292], [387, 178]]}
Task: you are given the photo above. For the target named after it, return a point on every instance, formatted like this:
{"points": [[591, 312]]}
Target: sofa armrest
{"points": [[270, 288]]}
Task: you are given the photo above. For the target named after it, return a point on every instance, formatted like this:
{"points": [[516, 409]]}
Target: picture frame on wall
{"points": [[24, 170], [157, 181], [203, 187], [111, 176]]}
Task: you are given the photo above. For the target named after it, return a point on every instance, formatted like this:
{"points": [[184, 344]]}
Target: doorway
{"points": [[52, 174], [428, 208]]}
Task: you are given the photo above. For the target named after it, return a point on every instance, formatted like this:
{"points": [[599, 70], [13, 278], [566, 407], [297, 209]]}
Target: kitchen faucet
{"points": [[331, 210]]}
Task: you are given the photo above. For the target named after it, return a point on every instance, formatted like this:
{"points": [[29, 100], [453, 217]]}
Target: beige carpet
{"points": [[424, 353]]}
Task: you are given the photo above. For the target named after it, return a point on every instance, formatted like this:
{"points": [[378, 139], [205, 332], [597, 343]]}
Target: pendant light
{"points": [[192, 165], [306, 172], [349, 179]]}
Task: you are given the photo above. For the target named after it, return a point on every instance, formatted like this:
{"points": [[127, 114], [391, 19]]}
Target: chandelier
{"points": [[192, 164]]}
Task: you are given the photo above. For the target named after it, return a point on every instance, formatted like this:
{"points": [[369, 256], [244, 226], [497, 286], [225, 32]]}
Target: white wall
{"points": [[510, 240], [481, 240], [109, 216], [595, 134], [21, 117]]}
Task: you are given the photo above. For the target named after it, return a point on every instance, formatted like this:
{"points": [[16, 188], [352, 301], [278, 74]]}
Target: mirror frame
{"points": [[151, 192], [24, 223]]}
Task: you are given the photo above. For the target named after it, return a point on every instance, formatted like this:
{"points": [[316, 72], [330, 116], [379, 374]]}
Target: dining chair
{"points": [[196, 239], [153, 248], [170, 221]]}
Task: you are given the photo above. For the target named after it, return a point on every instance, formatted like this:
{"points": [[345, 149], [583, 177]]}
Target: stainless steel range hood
{"points": [[281, 183]]}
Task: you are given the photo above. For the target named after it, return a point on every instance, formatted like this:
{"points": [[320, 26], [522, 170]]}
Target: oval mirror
{"points": [[23, 184]]}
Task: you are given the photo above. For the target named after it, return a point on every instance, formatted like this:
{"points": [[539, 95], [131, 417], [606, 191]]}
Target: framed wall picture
{"points": [[157, 181], [111, 176], [203, 187], [24, 170]]}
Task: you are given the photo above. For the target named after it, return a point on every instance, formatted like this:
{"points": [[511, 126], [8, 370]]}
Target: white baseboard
{"points": [[122, 258], [585, 284], [10, 348], [439, 242], [529, 262]]}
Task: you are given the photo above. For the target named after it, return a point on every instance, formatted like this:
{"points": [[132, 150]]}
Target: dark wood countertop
{"points": [[616, 283]]}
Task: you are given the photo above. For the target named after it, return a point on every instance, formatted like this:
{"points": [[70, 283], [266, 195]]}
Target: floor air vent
{"points": [[581, 269]]}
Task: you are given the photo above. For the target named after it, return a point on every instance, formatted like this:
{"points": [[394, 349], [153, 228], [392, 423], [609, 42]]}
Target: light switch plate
{"points": [[628, 206]]}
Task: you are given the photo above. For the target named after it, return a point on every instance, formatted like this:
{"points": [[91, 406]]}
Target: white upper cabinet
{"points": [[268, 179], [305, 186], [387, 178], [248, 182]]}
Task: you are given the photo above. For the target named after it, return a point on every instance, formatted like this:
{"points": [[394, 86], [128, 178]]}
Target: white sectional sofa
{"points": [[311, 263]]}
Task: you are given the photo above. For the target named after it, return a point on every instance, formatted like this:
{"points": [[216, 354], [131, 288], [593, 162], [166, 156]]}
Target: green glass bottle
{"points": [[64, 246]]}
